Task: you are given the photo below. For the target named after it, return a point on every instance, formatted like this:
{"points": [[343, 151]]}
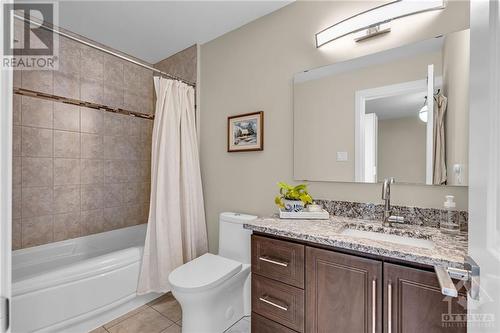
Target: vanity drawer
{"points": [[263, 325], [278, 260], [278, 301]]}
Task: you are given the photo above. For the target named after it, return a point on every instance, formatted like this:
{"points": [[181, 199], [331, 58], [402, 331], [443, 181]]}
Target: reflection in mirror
{"points": [[395, 136], [399, 113]]}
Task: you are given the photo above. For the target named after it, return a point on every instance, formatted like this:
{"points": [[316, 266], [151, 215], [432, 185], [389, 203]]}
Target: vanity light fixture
{"points": [[422, 114], [376, 21]]}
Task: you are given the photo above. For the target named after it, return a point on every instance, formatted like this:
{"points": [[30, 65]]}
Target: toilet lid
{"points": [[203, 272]]}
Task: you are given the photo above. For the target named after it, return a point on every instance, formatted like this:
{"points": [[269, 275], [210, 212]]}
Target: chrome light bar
{"points": [[376, 20]]}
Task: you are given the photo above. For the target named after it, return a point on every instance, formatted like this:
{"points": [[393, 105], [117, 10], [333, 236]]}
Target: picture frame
{"points": [[245, 132]]}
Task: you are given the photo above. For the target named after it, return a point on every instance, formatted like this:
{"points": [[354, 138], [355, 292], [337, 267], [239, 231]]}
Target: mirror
{"points": [[399, 113]]}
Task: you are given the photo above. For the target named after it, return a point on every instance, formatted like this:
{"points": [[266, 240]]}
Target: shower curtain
{"points": [[439, 170], [176, 230]]}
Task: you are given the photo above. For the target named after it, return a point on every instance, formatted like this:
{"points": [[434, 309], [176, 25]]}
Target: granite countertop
{"points": [[448, 250]]}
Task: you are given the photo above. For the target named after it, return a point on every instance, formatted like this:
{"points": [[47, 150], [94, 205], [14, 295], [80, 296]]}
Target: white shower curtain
{"points": [[176, 225]]}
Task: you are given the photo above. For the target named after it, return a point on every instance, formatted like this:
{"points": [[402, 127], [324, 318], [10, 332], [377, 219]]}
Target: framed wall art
{"points": [[245, 132]]}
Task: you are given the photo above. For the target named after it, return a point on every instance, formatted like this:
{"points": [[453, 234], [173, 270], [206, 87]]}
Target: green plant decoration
{"points": [[290, 192]]}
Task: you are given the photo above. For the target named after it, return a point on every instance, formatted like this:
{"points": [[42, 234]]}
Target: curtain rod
{"points": [[97, 47]]}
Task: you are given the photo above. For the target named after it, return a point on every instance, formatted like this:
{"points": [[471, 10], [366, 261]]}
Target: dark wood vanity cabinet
{"points": [[279, 302], [263, 325], [344, 293], [277, 284], [414, 303], [278, 260]]}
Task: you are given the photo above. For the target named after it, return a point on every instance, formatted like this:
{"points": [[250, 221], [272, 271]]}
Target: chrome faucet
{"points": [[386, 196]]}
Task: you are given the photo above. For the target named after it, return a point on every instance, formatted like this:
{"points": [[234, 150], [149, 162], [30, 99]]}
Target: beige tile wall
{"points": [[76, 170], [93, 76], [182, 64]]}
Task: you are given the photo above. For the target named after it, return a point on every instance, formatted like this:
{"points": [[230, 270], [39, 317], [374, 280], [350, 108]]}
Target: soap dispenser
{"points": [[450, 220]]}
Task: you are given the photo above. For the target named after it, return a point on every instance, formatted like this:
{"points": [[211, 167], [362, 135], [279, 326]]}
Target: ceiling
{"points": [[402, 105], [399, 106], [154, 30]]}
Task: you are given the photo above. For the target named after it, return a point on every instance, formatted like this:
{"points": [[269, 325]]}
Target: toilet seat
{"points": [[203, 273]]}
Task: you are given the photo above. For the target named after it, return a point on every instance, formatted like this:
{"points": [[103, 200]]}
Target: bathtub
{"points": [[78, 284]]}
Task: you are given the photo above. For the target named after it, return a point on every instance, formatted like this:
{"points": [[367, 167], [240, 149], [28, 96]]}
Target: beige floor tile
{"points": [[168, 306], [125, 316], [156, 300], [242, 326], [172, 329], [147, 321], [99, 330]]}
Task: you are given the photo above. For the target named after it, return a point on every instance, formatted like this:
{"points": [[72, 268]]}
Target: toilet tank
{"points": [[234, 241]]}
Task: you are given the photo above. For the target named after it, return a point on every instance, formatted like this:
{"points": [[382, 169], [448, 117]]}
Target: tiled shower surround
{"points": [[181, 64], [78, 170]]}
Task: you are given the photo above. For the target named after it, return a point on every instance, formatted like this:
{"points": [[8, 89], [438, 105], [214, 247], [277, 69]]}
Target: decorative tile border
{"points": [[428, 217]]}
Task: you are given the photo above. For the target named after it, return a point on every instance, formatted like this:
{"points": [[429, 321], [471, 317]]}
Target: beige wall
{"points": [[401, 149], [324, 115], [182, 64], [251, 69], [456, 88]]}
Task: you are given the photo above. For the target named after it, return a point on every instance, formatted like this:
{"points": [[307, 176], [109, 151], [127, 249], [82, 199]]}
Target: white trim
{"points": [[371, 141], [484, 159], [6, 127], [362, 96], [484, 140], [359, 136], [429, 144]]}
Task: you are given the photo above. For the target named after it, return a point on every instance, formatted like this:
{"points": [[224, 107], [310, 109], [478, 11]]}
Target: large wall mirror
{"points": [[399, 113]]}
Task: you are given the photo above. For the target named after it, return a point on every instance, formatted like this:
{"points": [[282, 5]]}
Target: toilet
{"points": [[214, 290]]}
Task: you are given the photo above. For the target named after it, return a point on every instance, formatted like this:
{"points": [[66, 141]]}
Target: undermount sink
{"points": [[403, 240]]}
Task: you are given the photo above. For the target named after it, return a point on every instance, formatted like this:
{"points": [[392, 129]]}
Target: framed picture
{"points": [[245, 132]]}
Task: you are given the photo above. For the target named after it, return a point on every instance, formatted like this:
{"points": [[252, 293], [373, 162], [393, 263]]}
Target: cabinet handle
{"points": [[266, 300], [389, 307], [374, 305], [274, 261]]}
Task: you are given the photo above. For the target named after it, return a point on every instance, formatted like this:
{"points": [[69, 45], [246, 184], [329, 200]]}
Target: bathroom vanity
{"points": [[322, 276], [372, 268]]}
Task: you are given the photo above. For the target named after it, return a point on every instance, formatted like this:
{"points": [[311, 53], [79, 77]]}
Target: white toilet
{"points": [[214, 290]]}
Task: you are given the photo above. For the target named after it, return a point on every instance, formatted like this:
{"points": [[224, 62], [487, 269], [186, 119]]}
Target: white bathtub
{"points": [[77, 284]]}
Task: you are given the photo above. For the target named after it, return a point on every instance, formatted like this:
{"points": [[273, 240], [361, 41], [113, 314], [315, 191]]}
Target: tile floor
{"points": [[242, 326], [162, 315]]}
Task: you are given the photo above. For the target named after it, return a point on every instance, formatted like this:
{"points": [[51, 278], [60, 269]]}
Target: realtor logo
{"points": [[472, 316], [28, 44]]}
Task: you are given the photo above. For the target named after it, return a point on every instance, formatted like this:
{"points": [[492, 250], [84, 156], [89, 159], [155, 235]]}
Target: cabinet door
{"points": [[263, 325], [414, 303], [343, 293]]}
